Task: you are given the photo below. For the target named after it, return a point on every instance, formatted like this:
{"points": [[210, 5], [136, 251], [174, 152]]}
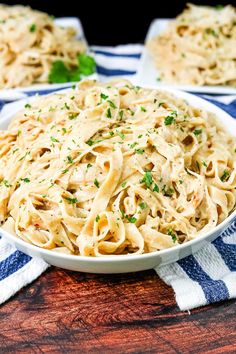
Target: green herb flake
{"points": [[121, 135], [27, 105], [96, 183], [172, 234], [108, 113], [143, 109], [143, 205], [197, 132], [97, 218], [69, 159], [54, 140], [169, 120], [139, 151], [71, 200], [131, 219], [123, 184], [112, 104], [103, 96], [147, 179], [33, 28], [121, 114], [26, 180], [6, 183], [90, 142], [225, 176], [156, 188]]}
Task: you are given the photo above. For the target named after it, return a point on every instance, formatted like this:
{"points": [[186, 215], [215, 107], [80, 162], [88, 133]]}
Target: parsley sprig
{"points": [[60, 73]]}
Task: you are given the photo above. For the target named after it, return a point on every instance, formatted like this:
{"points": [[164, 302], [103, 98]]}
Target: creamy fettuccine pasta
{"points": [[107, 169], [29, 44], [198, 47]]}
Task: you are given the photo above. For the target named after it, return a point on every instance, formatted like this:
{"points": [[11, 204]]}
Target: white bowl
{"points": [[125, 263]]}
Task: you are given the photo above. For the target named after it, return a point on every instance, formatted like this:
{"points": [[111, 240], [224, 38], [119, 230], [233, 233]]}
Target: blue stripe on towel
{"points": [[113, 72], [214, 290], [230, 108], [13, 263], [227, 252], [118, 55]]}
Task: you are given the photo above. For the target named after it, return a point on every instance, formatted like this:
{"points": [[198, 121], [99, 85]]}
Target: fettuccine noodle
{"points": [[107, 169], [198, 47], [29, 43]]}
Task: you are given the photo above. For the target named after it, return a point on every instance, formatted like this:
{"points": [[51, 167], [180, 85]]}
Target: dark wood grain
{"points": [[65, 312]]}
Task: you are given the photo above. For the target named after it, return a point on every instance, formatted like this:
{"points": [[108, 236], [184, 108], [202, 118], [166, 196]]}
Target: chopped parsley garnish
{"points": [[24, 156], [133, 145], [6, 183], [197, 132], [60, 73], [32, 28], [19, 133], [169, 120], [147, 179], [97, 218], [121, 135], [131, 219], [160, 104], [225, 176], [108, 113], [112, 104], [123, 184], [26, 180], [90, 142], [143, 109], [143, 205], [139, 151], [66, 105], [121, 114], [181, 181], [96, 183], [156, 188], [54, 140], [140, 136], [103, 96], [211, 32], [69, 159], [172, 234], [204, 163], [65, 171], [71, 200], [89, 165], [27, 105], [64, 130]]}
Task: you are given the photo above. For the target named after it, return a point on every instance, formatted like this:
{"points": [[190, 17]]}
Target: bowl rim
{"points": [[132, 257]]}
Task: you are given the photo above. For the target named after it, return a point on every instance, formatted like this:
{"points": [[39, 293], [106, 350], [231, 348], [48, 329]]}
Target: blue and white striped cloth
{"points": [[203, 278]]}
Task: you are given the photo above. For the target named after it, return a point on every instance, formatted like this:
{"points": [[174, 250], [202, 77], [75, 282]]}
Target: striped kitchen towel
{"points": [[203, 278]]}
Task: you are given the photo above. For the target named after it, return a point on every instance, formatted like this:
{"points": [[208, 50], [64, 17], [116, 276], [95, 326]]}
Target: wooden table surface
{"points": [[65, 312]]}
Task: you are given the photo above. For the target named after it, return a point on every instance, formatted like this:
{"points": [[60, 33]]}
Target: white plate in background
{"points": [[123, 263], [147, 73], [22, 92]]}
